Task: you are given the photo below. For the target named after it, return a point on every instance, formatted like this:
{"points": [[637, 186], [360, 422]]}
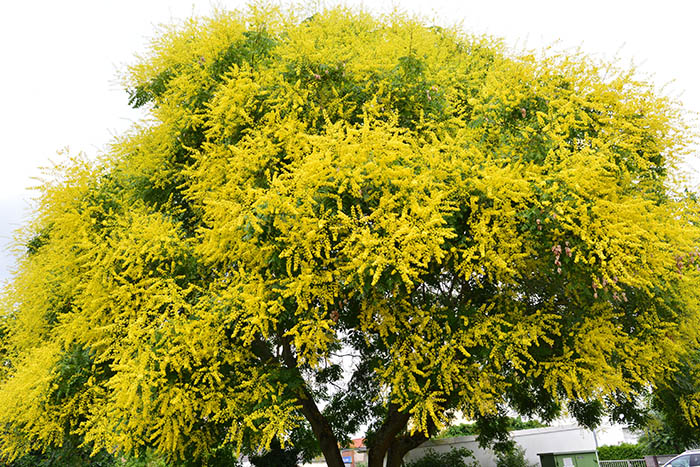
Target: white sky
{"points": [[60, 58]]}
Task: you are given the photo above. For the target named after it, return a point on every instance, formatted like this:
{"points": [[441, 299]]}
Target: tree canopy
{"points": [[347, 222]]}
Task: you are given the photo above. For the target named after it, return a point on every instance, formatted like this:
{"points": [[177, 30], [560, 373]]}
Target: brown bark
{"points": [[384, 437], [400, 447], [322, 429]]}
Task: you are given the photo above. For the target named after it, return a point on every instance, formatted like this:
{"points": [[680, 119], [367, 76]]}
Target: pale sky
{"points": [[60, 61]]}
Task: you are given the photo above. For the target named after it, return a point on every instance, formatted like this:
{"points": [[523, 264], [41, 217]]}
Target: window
{"points": [[683, 461]]}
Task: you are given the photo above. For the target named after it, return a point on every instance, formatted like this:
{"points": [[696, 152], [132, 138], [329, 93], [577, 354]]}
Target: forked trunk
{"points": [[385, 437], [400, 447]]}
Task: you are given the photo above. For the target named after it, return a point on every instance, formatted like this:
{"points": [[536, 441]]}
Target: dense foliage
{"points": [[343, 221]]}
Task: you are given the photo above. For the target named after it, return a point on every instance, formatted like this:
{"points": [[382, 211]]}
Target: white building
{"points": [[563, 438]]}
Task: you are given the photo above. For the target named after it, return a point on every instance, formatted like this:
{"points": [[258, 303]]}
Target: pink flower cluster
{"points": [[557, 251], [692, 258], [604, 285]]}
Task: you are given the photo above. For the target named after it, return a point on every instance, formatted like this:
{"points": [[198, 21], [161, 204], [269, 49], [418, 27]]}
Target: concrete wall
{"points": [[534, 441]]}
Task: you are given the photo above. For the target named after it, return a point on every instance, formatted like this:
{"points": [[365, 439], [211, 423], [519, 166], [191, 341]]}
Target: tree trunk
{"points": [[322, 430], [375, 458], [400, 447], [385, 436]]}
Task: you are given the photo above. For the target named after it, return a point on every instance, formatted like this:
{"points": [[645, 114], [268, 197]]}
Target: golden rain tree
{"points": [[344, 222]]}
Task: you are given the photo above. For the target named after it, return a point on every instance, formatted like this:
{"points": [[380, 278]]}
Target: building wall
{"points": [[534, 441]]}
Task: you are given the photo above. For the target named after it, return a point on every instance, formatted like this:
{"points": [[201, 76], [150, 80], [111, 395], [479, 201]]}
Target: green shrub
{"points": [[513, 458], [454, 458], [624, 451]]}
